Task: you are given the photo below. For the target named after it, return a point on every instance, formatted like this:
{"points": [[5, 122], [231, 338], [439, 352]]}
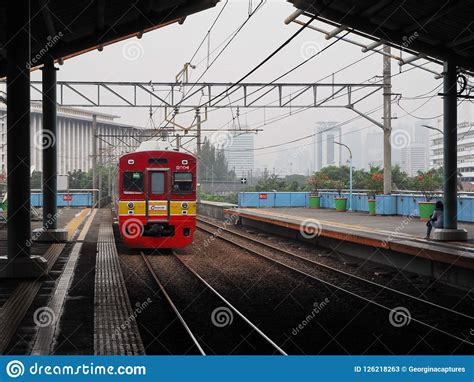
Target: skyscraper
{"points": [[413, 158], [325, 152], [240, 154]]}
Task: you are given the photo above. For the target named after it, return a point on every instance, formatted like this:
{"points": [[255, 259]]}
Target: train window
{"points": [[157, 183], [132, 182], [157, 161], [183, 183]]}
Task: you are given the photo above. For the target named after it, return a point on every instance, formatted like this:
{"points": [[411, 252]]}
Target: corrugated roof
{"points": [[66, 28], [438, 28]]}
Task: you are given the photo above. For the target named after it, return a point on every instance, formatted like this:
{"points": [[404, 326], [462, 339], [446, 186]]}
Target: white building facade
{"points": [[74, 139], [413, 158], [465, 150], [240, 155]]}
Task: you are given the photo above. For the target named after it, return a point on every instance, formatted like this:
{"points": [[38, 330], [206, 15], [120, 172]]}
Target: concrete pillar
{"points": [[50, 232], [18, 262], [450, 231], [387, 121]]}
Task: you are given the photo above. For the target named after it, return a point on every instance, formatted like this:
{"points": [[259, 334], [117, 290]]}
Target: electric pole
{"points": [[198, 152], [387, 122], [94, 159]]}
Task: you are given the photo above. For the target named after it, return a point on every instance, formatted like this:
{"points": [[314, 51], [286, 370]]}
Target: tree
{"points": [[36, 182], [429, 182], [213, 163]]}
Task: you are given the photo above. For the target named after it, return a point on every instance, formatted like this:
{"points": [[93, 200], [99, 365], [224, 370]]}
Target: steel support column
{"points": [[18, 262], [50, 231], [450, 230], [49, 147], [18, 132], [450, 146]]}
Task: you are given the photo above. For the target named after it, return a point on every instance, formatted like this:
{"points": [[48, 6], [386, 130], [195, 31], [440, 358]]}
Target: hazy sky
{"points": [[160, 54]]}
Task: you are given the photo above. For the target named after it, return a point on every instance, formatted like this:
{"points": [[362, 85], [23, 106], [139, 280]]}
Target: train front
{"points": [[157, 199]]}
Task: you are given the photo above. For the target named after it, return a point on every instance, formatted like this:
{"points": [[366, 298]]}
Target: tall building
{"points": [[240, 154], [74, 139], [465, 150], [373, 153], [326, 152], [413, 158]]}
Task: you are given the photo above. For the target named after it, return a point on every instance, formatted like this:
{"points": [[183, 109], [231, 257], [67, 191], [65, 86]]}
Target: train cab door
{"points": [[158, 193]]}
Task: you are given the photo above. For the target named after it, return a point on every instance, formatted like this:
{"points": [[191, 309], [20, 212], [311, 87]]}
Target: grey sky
{"points": [[162, 53]]}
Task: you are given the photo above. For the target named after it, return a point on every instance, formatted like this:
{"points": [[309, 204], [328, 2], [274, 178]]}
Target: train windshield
{"points": [[132, 182], [157, 183], [183, 183]]}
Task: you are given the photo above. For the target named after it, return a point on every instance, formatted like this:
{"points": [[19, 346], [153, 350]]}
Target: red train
{"points": [[155, 198]]}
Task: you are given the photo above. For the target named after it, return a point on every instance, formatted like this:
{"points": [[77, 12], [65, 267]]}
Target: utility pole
{"points": [[198, 152], [178, 142], [387, 122], [94, 159]]}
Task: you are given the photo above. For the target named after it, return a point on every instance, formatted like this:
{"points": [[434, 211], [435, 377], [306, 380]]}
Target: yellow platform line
{"points": [[74, 224]]}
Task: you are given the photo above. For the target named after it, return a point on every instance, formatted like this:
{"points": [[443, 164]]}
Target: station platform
{"points": [[79, 307], [387, 236]]}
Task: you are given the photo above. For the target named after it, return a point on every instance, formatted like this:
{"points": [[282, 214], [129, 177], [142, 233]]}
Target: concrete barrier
{"points": [[213, 210], [77, 199], [397, 204]]}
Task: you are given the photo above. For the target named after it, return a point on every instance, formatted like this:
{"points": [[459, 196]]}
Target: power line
{"points": [[209, 31]]}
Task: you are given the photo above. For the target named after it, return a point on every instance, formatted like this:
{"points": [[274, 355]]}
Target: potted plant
{"points": [[316, 182], [340, 201], [375, 186], [428, 183]]}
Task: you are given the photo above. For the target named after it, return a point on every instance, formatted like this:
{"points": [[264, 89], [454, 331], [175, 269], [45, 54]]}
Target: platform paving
{"points": [[115, 329], [17, 295], [398, 233]]}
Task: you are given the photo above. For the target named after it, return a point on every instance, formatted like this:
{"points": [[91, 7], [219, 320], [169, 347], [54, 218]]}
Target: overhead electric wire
{"points": [[262, 2], [232, 37], [209, 31], [268, 58]]}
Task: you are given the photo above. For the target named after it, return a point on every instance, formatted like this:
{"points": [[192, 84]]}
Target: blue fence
{"points": [[400, 204], [82, 199]]}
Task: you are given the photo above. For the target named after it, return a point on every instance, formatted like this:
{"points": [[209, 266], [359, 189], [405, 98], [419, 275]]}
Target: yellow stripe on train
{"points": [[157, 208]]}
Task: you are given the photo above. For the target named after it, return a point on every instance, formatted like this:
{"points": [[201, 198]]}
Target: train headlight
{"points": [[185, 205], [131, 205]]}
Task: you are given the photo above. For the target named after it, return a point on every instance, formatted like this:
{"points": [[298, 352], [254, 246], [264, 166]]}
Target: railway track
{"points": [[353, 285], [212, 332]]}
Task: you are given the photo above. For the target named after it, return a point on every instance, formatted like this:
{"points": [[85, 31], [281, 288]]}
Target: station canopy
{"points": [[439, 29], [63, 29]]}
